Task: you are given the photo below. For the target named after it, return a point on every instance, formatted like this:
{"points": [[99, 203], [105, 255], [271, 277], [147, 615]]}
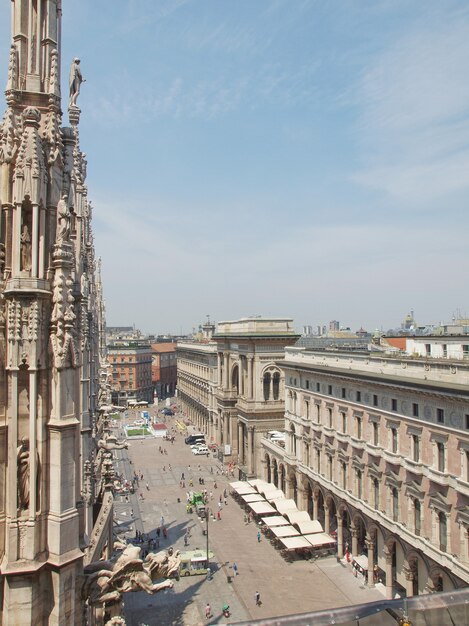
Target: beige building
{"points": [[232, 386], [55, 507], [377, 449]]}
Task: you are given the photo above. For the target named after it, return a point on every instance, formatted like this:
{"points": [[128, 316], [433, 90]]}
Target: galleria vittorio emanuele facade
{"points": [[55, 504]]}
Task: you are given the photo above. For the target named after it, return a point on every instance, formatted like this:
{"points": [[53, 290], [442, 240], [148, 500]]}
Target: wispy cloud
{"points": [[414, 121]]}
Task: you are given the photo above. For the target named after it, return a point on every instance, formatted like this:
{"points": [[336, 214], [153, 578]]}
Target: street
{"points": [[284, 588]]}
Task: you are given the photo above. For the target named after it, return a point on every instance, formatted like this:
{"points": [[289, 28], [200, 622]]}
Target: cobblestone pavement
{"points": [[285, 588]]}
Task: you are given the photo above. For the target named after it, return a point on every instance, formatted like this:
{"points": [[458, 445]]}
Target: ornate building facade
{"points": [[52, 493], [378, 450], [233, 388]]}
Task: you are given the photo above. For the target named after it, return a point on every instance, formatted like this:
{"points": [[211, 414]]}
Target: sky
{"points": [[298, 158]]}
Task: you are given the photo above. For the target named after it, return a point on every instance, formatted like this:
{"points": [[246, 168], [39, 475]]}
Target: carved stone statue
{"points": [[23, 474], [63, 220], [107, 580], [25, 249], [75, 80], [110, 443]]}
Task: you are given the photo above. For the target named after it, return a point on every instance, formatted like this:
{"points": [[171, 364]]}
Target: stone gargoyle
{"points": [[106, 581], [110, 443]]}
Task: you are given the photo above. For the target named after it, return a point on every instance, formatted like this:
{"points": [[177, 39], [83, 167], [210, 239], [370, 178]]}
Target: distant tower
{"points": [[48, 334]]}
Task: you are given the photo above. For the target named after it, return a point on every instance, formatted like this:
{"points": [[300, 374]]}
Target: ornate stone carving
{"points": [[9, 137], [23, 475], [12, 80], [110, 442], [106, 581], [62, 321], [30, 168]]}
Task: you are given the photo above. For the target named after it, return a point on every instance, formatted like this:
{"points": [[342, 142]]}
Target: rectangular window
{"points": [[329, 390], [441, 461], [394, 404], [359, 396], [318, 413], [440, 416], [359, 427], [318, 387], [415, 409], [344, 392], [428, 349], [465, 351], [344, 422], [375, 400], [307, 384], [415, 448], [329, 464], [466, 419]]}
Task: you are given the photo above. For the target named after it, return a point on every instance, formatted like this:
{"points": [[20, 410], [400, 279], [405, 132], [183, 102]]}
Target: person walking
{"points": [[235, 569], [208, 611], [258, 536], [258, 598]]}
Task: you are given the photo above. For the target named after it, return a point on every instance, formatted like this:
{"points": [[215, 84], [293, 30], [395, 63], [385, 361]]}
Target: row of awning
{"points": [[293, 528]]}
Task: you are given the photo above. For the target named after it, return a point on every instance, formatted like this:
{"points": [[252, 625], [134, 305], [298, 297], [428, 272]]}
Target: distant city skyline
{"points": [[305, 159]]}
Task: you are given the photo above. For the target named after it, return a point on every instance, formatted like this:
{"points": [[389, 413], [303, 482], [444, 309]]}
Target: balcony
{"points": [[392, 457], [438, 477], [416, 467], [462, 486], [358, 443], [342, 437]]}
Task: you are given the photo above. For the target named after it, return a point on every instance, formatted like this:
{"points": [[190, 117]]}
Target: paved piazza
{"points": [[285, 588]]}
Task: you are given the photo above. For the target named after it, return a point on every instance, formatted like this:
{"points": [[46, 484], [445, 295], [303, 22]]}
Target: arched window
{"points": [[276, 385], [292, 440], [266, 386], [235, 379]]}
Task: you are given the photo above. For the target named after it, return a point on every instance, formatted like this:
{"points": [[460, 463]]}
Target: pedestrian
{"points": [[182, 476], [158, 531], [258, 598], [224, 493], [235, 569], [219, 516], [211, 470], [148, 487], [211, 495], [258, 536], [141, 496], [169, 466], [208, 611], [162, 521], [220, 505], [185, 540], [165, 532]]}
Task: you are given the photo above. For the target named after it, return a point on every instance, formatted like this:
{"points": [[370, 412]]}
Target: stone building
{"points": [[196, 384], [164, 369], [55, 511], [377, 449], [130, 371], [232, 386]]}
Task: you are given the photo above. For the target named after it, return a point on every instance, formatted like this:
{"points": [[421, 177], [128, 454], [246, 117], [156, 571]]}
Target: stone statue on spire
{"points": [[75, 80]]}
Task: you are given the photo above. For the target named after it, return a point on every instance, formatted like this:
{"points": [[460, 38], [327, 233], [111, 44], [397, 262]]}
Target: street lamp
{"points": [[207, 515]]}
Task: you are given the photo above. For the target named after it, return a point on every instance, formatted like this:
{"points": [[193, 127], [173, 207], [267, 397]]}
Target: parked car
{"points": [[168, 412], [200, 450]]}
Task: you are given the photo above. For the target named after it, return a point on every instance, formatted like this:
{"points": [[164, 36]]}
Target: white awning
{"points": [[320, 539], [275, 520], [285, 531], [361, 560], [309, 527], [252, 497], [284, 505], [261, 508], [237, 483], [276, 494], [258, 483], [297, 516], [295, 543], [244, 489]]}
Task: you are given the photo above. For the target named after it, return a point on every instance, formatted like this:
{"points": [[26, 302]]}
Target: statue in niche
{"points": [[25, 249], [63, 220], [75, 80], [23, 474]]}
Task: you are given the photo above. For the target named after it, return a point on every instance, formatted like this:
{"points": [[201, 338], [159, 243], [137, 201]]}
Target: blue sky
{"points": [[301, 158]]}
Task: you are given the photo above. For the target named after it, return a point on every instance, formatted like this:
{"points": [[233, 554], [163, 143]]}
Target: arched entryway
{"points": [[282, 478], [275, 472]]}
